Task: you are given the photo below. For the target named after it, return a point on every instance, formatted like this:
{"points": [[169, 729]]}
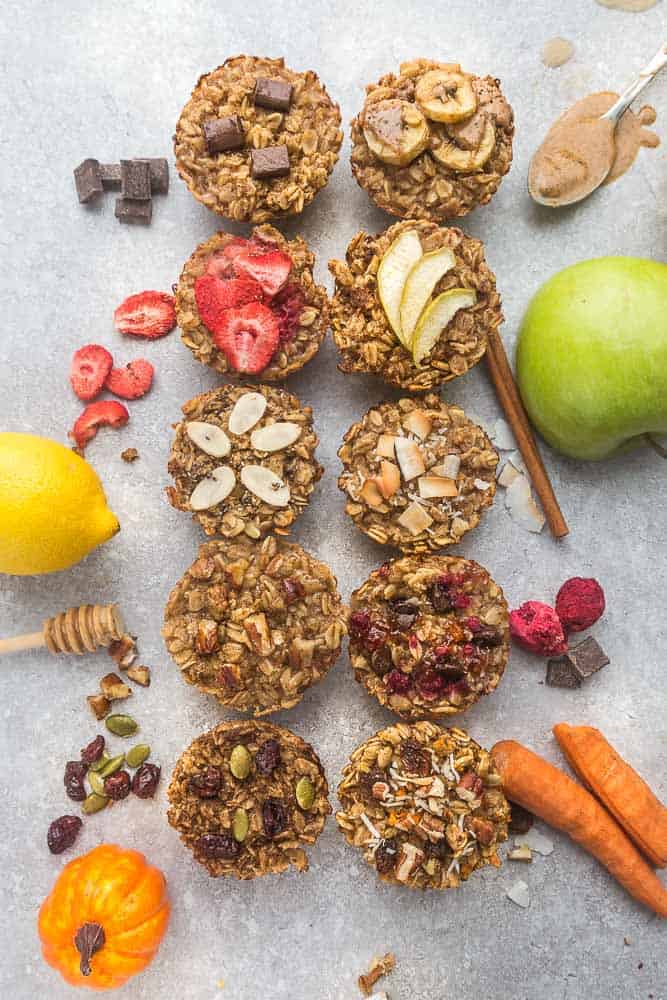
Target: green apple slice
{"points": [[418, 288], [394, 268], [435, 318]]}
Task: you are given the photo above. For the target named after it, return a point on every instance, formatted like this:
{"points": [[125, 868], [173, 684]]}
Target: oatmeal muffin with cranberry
{"points": [[254, 624], [247, 797], [429, 636], [251, 306], [432, 142], [425, 805]]}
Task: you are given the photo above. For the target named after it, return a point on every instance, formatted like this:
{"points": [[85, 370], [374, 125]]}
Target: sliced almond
{"points": [[415, 518], [385, 446], [266, 485], [410, 458], [419, 423], [436, 486], [208, 438], [214, 489], [275, 437], [389, 480], [370, 493], [449, 468], [248, 410]]}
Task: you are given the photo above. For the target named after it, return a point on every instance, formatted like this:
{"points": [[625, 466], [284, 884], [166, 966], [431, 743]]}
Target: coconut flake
{"points": [[418, 423], [385, 446], [508, 474], [436, 486], [502, 436], [415, 519], [481, 484], [369, 826], [449, 468], [516, 458], [409, 458], [536, 841], [519, 502], [519, 893]]}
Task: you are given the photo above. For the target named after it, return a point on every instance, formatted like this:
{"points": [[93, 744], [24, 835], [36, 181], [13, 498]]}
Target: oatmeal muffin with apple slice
{"points": [[413, 305], [251, 306], [255, 624], [429, 635], [425, 806], [432, 142], [417, 474], [247, 797]]}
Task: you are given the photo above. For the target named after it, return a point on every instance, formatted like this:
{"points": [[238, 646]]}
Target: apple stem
{"points": [[656, 447]]}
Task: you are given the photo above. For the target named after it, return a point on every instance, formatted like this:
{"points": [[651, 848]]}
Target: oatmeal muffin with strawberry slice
{"points": [[251, 306]]}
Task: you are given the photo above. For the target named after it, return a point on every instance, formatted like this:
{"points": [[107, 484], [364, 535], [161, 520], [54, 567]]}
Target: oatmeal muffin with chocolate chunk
{"points": [[424, 804], [413, 305], [429, 635], [255, 625], [433, 142], [257, 140], [417, 474], [247, 797], [251, 306], [243, 460]]}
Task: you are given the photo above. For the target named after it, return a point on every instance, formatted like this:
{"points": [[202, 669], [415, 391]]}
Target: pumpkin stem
{"points": [[88, 939]]}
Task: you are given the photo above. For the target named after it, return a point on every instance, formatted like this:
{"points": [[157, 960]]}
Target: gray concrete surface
{"points": [[108, 80]]}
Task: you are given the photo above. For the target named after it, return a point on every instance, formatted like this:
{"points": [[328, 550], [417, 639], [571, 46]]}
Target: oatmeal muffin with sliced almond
{"points": [[247, 797], [254, 624], [417, 474], [243, 460], [251, 306], [425, 806], [429, 635], [432, 142]]}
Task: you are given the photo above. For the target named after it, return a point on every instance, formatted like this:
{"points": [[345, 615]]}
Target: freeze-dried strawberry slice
{"points": [[132, 381], [105, 413], [147, 314], [90, 366], [270, 267], [248, 337], [214, 297], [288, 306]]}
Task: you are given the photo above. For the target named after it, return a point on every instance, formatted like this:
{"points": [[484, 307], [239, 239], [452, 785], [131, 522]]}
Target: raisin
{"points": [[438, 595], [207, 783], [430, 684], [376, 636], [145, 780], [405, 612], [75, 772], [93, 751], [62, 833], [359, 623], [397, 682], [218, 846], [381, 661], [294, 590], [415, 760], [460, 601], [267, 757], [274, 817], [117, 786], [487, 637], [385, 857], [451, 672]]}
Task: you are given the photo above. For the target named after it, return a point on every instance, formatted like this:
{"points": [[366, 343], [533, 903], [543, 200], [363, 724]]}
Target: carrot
{"points": [[620, 789], [544, 790]]}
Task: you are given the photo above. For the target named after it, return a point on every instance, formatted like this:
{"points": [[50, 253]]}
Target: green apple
{"points": [[591, 356]]}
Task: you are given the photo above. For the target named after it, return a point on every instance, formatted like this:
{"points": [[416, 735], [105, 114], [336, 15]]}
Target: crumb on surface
{"points": [[129, 455], [379, 967]]}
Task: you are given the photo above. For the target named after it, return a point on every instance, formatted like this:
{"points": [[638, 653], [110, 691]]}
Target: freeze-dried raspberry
{"points": [[579, 603], [537, 628]]}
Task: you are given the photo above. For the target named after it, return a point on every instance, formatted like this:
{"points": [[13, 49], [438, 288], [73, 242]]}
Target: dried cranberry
{"points": [[218, 846], [274, 817], [473, 623], [487, 637], [145, 780], [207, 783], [460, 601], [438, 595], [404, 612], [75, 772], [415, 759], [469, 652], [288, 304], [376, 636], [384, 570], [117, 786], [430, 684], [267, 757], [294, 590], [385, 857], [93, 751], [397, 682], [381, 661], [62, 833], [359, 624]]}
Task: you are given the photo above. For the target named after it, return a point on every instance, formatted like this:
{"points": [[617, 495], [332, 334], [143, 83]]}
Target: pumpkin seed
{"points": [[97, 765], [240, 825], [94, 803], [112, 765], [121, 725], [305, 793], [240, 762], [96, 782], [138, 754]]}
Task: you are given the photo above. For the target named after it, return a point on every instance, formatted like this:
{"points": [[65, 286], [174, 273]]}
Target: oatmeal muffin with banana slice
{"points": [[432, 142], [247, 797], [254, 624], [425, 805], [429, 636], [414, 305], [417, 474], [243, 460], [257, 140]]}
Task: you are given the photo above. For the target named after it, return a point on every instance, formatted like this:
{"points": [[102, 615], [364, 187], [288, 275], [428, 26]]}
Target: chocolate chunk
{"points": [[135, 180], [587, 658], [139, 212], [272, 161], [110, 174], [274, 94], [521, 820], [561, 673], [158, 169], [222, 134], [88, 180]]}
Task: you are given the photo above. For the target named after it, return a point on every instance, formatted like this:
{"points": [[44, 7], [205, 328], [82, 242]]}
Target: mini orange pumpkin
{"points": [[105, 917]]}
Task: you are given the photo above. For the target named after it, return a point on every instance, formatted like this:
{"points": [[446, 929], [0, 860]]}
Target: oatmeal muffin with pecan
{"points": [[429, 635], [255, 625], [413, 305], [424, 804], [251, 306], [417, 474], [243, 460], [433, 142], [246, 797], [257, 140]]}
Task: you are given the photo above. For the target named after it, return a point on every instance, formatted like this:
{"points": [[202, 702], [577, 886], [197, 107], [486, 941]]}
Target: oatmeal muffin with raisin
{"points": [[429, 636], [425, 806]]}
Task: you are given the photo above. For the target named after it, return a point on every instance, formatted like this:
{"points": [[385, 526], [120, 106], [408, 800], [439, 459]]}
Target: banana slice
{"points": [[393, 271], [396, 131], [466, 161], [446, 96], [435, 318], [419, 286]]}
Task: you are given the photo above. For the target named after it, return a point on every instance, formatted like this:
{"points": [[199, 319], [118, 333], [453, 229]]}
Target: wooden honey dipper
{"points": [[77, 630]]}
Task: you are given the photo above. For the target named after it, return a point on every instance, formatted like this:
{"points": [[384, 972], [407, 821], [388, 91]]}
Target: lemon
{"points": [[53, 510]]}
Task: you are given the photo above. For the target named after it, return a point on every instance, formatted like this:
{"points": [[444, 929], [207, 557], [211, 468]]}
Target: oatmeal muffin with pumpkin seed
{"points": [[429, 636], [425, 805], [254, 624], [417, 474], [257, 140], [247, 797]]}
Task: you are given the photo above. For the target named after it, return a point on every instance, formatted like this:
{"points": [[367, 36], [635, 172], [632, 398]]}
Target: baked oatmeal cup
{"points": [[429, 635], [433, 142], [243, 460], [254, 624], [417, 474], [251, 306], [247, 797], [257, 140], [425, 806]]}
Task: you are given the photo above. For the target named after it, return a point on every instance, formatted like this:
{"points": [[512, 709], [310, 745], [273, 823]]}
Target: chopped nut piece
{"points": [[522, 853], [409, 859], [99, 704], [129, 455], [113, 688], [257, 629], [207, 637], [124, 651], [379, 967], [140, 675]]}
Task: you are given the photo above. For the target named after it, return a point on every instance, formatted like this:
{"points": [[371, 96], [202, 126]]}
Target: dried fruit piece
{"points": [[117, 786], [62, 833], [386, 856], [305, 793], [579, 603], [288, 305], [146, 314], [395, 130], [275, 437], [410, 458], [248, 337], [212, 490], [389, 480], [214, 297], [132, 381], [218, 846], [107, 413], [274, 817], [537, 628], [446, 95], [392, 274], [269, 267], [93, 750], [113, 688], [121, 725], [207, 784], [75, 773], [89, 369], [240, 761], [267, 757], [209, 438], [266, 485], [145, 781], [436, 317], [140, 675], [248, 410]]}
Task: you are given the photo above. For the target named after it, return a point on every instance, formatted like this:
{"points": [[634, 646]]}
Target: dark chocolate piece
{"points": [[110, 174], [272, 161], [561, 673], [273, 94], [521, 820], [587, 657], [222, 134], [88, 180], [135, 180], [139, 212], [159, 174]]}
